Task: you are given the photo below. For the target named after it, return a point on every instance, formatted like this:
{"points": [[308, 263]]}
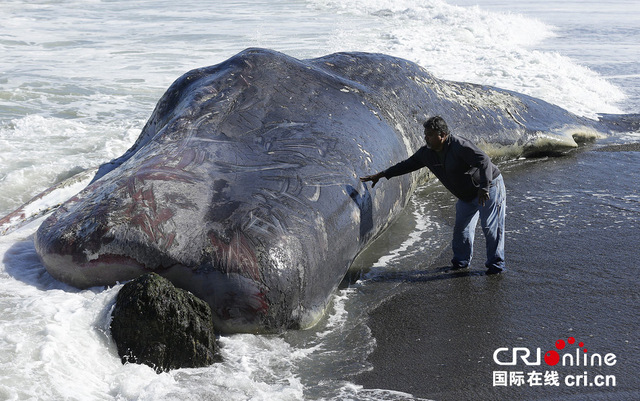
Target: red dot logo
{"points": [[552, 358]]}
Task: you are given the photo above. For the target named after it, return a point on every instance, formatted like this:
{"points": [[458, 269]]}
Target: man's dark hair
{"points": [[436, 124]]}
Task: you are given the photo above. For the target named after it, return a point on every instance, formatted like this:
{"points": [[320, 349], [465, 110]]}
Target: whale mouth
{"points": [[99, 271]]}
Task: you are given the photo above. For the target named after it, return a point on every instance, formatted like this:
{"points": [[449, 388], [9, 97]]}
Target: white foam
{"points": [[36, 152], [54, 346], [473, 45]]}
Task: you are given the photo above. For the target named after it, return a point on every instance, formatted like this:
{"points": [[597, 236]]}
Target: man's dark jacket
{"points": [[465, 169]]}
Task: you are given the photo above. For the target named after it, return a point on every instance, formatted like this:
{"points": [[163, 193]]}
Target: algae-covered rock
{"points": [[157, 324]]}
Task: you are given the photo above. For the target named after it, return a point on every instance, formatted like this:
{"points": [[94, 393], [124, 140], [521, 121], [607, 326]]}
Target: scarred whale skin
{"points": [[243, 185]]}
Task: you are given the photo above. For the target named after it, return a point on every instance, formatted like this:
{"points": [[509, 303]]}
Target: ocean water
{"points": [[78, 79]]}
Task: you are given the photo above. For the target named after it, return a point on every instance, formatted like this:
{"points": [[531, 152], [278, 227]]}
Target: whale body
{"points": [[243, 185]]}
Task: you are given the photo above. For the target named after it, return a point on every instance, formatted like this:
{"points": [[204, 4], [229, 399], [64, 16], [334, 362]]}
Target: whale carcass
{"points": [[243, 185]]}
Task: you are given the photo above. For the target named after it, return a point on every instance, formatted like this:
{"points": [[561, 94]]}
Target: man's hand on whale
{"points": [[374, 178]]}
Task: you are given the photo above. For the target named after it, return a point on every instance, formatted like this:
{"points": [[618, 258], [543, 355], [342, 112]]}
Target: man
{"points": [[470, 175]]}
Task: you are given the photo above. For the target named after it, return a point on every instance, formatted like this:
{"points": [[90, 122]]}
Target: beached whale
{"points": [[243, 186]]}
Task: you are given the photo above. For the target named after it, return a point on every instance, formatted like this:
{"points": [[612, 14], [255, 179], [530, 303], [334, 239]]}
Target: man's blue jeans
{"points": [[491, 216]]}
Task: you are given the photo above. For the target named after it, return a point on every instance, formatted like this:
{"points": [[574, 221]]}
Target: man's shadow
{"points": [[413, 276], [426, 275]]}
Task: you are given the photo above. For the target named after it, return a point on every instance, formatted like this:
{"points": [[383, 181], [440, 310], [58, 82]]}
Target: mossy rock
{"points": [[165, 327]]}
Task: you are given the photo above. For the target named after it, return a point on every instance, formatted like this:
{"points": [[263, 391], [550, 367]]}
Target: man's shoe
{"points": [[495, 270]]}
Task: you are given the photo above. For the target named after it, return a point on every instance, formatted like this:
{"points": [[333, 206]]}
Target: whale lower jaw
{"points": [[107, 270]]}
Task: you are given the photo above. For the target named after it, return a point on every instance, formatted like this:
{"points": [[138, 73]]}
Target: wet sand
{"points": [[574, 277]]}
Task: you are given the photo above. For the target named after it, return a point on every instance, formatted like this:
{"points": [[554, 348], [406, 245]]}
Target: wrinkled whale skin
{"points": [[243, 185]]}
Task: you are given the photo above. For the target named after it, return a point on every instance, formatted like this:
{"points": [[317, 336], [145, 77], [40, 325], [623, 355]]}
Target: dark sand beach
{"points": [[572, 246]]}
